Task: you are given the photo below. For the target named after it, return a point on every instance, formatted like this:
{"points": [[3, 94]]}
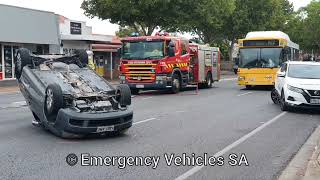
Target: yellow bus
{"points": [[261, 54]]}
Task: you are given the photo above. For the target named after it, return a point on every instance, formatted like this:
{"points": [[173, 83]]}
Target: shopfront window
{"points": [[8, 61], [0, 59]]}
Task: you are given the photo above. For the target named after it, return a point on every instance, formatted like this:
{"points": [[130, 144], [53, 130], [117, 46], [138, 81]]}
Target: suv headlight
{"points": [[295, 89]]}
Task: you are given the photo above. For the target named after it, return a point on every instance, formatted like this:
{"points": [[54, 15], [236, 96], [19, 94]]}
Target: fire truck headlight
{"points": [[122, 78], [161, 78], [241, 78]]}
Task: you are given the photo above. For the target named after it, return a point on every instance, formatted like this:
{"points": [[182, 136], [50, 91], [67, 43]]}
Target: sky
{"points": [[71, 9]]}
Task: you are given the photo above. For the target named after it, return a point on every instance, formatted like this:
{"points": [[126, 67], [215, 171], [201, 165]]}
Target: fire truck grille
{"points": [[140, 72]]}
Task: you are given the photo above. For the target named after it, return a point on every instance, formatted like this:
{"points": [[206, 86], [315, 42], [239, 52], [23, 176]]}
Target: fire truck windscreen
{"points": [[137, 50]]}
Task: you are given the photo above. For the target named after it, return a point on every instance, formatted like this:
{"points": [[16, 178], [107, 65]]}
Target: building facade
{"points": [[48, 33], [32, 29]]}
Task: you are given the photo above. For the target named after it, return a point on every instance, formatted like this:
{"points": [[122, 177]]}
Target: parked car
{"points": [[70, 99], [297, 85]]}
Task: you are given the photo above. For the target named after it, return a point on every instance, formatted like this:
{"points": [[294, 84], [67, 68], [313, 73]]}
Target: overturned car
{"points": [[70, 99]]}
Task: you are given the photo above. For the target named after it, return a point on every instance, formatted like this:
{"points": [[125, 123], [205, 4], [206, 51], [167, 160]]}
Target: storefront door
{"points": [[8, 65]]}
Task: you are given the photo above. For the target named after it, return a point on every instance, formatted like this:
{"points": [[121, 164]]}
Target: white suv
{"points": [[297, 85]]}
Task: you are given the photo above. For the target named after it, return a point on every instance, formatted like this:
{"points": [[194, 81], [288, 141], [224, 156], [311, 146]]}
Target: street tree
{"points": [[142, 15]]}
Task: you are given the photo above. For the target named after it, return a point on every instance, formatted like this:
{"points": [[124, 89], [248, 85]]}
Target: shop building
{"points": [[21, 27], [48, 33]]}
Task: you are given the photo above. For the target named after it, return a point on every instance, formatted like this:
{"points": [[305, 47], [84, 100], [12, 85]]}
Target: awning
{"points": [[97, 38]]}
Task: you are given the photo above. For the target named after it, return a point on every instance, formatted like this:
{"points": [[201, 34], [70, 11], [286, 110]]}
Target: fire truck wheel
{"points": [[176, 84], [209, 81]]}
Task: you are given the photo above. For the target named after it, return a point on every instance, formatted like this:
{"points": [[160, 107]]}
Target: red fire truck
{"points": [[164, 62]]}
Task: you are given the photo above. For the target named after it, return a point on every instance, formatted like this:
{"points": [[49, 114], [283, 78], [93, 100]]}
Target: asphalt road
{"points": [[218, 122]]}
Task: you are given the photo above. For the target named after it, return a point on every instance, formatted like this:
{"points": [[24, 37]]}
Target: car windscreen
{"points": [[260, 57], [304, 71]]}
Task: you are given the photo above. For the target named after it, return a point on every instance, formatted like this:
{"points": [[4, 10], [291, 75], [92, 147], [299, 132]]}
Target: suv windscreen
{"points": [[304, 71]]}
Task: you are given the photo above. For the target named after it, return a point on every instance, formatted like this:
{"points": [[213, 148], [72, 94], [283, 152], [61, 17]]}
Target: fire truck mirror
{"points": [[171, 51], [119, 52]]}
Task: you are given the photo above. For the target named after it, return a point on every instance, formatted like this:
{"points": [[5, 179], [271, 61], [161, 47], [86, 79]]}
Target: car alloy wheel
{"points": [[49, 99]]}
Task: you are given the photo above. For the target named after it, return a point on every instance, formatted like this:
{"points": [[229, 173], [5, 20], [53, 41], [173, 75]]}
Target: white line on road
{"points": [[228, 79], [231, 146], [244, 94], [146, 98], [143, 121]]}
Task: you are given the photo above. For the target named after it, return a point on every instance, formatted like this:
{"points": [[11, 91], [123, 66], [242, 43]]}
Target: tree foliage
{"points": [[303, 27], [217, 22]]}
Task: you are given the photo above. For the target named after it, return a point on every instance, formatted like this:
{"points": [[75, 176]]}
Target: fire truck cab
{"points": [[164, 62]]}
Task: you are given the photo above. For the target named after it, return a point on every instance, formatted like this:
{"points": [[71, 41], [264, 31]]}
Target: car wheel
{"points": [[209, 80], [283, 104], [22, 58], [176, 84], [53, 101], [123, 95], [275, 96], [83, 57]]}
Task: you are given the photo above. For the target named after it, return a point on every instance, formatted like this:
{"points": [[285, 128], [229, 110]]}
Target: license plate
{"points": [[315, 101], [140, 86], [105, 129]]}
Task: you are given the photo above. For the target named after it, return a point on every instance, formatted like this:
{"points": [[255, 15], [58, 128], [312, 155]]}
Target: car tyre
{"points": [[53, 101], [123, 95], [275, 96], [176, 84], [22, 59], [83, 57]]}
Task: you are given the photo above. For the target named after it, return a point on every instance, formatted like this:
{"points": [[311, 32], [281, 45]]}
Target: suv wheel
{"points": [[283, 104]]}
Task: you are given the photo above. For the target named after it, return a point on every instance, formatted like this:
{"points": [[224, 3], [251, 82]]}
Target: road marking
{"points": [[231, 146], [143, 121], [244, 94], [229, 79], [15, 105], [146, 98]]}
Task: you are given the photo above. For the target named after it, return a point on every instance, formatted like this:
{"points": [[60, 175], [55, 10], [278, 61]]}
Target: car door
{"points": [[280, 79]]}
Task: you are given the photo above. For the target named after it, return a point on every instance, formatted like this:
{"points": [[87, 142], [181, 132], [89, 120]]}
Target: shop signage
{"points": [[75, 28]]}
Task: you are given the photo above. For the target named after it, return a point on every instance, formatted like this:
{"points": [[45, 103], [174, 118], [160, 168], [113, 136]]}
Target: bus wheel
{"points": [[176, 84], [248, 87]]}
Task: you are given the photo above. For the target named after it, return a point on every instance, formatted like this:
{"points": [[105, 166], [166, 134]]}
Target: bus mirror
{"points": [[236, 61]]}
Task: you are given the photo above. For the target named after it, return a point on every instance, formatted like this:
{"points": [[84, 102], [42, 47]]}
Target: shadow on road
{"points": [[258, 88]]}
